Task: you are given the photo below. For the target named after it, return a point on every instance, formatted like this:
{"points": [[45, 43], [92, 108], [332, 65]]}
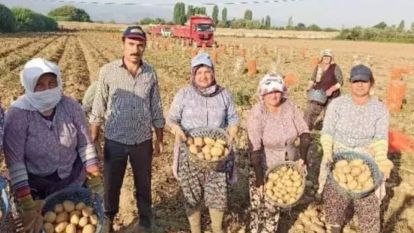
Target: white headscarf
{"points": [[38, 101]]}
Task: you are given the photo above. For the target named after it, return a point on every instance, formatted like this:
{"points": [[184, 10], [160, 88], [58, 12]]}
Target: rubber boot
{"points": [[195, 222], [336, 229], [216, 220]]}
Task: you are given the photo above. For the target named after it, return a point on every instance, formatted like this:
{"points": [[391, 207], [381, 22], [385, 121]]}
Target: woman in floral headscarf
{"points": [[273, 125], [202, 104]]}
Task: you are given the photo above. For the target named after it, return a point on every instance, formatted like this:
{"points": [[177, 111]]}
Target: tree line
{"points": [[20, 19], [181, 14]]}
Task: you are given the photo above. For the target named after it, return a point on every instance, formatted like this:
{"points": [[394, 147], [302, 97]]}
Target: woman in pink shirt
{"points": [[273, 125]]}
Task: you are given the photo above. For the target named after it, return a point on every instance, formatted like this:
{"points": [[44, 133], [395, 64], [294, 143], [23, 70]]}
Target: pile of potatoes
{"points": [[312, 220], [284, 185], [69, 217], [208, 149], [353, 175]]}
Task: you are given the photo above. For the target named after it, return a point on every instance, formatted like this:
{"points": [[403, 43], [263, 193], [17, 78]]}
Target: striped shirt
{"points": [[128, 105], [192, 110], [41, 147], [356, 125]]}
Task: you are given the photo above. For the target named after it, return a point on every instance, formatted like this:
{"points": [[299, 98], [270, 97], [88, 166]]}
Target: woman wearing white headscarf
{"points": [[46, 141], [273, 125]]}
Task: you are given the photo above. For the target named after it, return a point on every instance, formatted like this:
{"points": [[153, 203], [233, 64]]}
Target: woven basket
{"points": [[4, 200], [295, 166], [214, 133], [318, 96], [377, 176], [77, 194]]}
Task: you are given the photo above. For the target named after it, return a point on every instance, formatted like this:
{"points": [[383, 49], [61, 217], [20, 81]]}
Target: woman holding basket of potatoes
{"points": [[46, 142], [357, 122], [273, 126], [202, 104]]}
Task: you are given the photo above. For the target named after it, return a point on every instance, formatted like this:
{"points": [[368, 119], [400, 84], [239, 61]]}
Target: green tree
{"points": [[190, 11], [69, 13], [290, 23], [215, 14], [146, 21], [268, 22], [248, 15], [224, 15], [199, 10], [381, 25], [401, 26], [183, 16], [412, 27], [314, 27], [30, 21], [300, 27], [7, 20], [177, 13]]}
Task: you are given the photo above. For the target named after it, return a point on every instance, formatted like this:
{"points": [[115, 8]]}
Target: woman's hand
{"points": [[233, 132], [32, 221], [179, 133], [31, 215]]}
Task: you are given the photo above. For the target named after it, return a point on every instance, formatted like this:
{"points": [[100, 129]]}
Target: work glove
{"points": [[379, 148], [31, 216], [327, 145], [305, 141], [95, 183], [256, 161]]}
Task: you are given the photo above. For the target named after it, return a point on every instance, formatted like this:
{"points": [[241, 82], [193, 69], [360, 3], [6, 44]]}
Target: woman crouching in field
{"points": [[46, 141]]}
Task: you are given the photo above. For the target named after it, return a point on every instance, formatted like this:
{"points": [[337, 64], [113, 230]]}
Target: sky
{"points": [[325, 13]]}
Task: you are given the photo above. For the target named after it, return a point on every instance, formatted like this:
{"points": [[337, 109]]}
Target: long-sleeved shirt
{"points": [[192, 110], [275, 132], [128, 105], [88, 98], [318, 74], [33, 144], [354, 125]]}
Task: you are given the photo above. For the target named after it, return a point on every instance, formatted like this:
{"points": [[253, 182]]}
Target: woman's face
{"points": [[326, 59], [45, 82], [204, 77], [360, 88], [273, 99]]}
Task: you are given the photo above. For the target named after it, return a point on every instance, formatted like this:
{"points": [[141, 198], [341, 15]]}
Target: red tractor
{"points": [[198, 30]]}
